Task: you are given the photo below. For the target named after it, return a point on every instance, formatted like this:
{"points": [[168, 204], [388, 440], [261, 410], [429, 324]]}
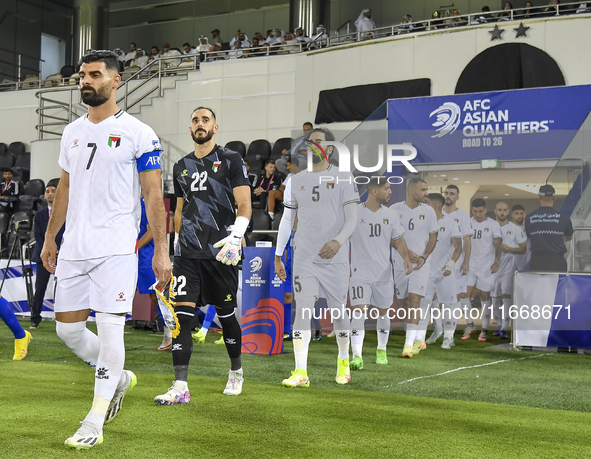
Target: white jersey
{"points": [[483, 248], [370, 244], [320, 211], [418, 224], [513, 236], [444, 249], [521, 261], [104, 208], [463, 221]]}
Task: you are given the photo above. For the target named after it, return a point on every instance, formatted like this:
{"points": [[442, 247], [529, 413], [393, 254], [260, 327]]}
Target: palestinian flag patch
{"points": [[114, 140], [442, 229], [421, 217], [216, 165], [386, 221], [486, 230], [330, 186]]}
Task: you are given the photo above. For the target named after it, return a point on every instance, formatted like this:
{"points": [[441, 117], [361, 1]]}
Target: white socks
{"points": [[496, 304], [449, 320], [507, 303], [437, 319], [411, 331], [111, 358], [383, 329], [301, 344], [341, 329], [357, 332], [424, 321], [467, 307], [485, 315], [83, 342]]}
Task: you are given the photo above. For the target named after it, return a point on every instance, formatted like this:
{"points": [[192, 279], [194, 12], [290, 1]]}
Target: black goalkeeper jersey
{"points": [[206, 186]]}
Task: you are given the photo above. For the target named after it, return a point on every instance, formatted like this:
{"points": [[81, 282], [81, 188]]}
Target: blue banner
{"points": [[262, 303], [507, 125]]}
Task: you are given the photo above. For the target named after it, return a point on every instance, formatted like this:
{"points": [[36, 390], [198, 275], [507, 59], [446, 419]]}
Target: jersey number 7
{"points": [[93, 146]]}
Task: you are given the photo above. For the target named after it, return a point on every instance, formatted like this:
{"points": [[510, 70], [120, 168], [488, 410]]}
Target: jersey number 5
{"points": [[201, 178]]}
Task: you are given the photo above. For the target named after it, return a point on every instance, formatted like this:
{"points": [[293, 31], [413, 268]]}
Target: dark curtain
{"points": [[356, 103], [509, 66]]}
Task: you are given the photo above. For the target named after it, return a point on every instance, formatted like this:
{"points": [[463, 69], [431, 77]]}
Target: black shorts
{"points": [[203, 282]]}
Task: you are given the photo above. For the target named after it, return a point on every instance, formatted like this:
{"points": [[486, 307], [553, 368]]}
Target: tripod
{"points": [[22, 238]]}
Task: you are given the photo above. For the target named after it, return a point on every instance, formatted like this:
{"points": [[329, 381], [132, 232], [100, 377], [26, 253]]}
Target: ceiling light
{"points": [[506, 194], [455, 178], [466, 181], [434, 175], [443, 175], [485, 197]]}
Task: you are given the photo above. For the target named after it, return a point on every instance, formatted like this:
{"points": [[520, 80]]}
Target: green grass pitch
{"points": [[531, 405]]}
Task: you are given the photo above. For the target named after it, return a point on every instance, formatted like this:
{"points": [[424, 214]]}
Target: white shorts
{"points": [[503, 284], [482, 279], [416, 282], [461, 284], [377, 294], [105, 284], [445, 287], [319, 280]]}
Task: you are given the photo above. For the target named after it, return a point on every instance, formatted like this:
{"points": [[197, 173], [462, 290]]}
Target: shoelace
{"points": [[88, 430]]}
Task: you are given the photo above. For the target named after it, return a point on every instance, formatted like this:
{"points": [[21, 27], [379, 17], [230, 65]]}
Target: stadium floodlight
{"points": [[489, 163]]}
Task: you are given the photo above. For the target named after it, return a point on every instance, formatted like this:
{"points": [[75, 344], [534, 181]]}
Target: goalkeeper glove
{"points": [[231, 246]]}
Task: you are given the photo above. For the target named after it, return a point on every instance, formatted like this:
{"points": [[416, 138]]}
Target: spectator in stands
{"points": [[526, 13], [155, 51], [268, 188], [322, 40], [270, 36], [215, 54], [236, 52], [278, 38], [582, 8], [42, 276], [131, 54], [298, 146], [216, 39], [364, 22], [204, 45], [10, 190], [258, 36], [255, 49], [290, 45], [300, 35], [242, 38], [552, 9], [189, 51], [457, 20], [505, 15], [406, 25], [484, 17], [169, 56], [120, 57], [140, 59]]}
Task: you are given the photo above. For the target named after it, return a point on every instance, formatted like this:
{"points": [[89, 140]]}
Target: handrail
{"points": [[346, 23]]}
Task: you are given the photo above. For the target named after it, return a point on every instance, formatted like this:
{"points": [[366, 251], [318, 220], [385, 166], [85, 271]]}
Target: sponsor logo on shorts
{"points": [[102, 373], [343, 334]]}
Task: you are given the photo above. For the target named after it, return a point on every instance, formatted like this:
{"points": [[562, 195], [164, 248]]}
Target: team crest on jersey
{"points": [[486, 230], [302, 188], [75, 144], [421, 217], [457, 220], [216, 165], [442, 229], [114, 140], [508, 232], [362, 220], [386, 221], [330, 186]]}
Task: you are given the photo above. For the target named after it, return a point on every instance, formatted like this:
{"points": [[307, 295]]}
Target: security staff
{"points": [[548, 231]]}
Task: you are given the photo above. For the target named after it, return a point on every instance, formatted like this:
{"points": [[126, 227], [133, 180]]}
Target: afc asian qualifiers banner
{"points": [[506, 125], [262, 303]]}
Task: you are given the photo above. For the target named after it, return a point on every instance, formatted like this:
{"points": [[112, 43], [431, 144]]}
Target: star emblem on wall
{"points": [[521, 30], [496, 33]]}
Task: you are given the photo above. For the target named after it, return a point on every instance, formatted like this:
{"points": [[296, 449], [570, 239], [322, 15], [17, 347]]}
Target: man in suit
{"points": [[42, 279]]}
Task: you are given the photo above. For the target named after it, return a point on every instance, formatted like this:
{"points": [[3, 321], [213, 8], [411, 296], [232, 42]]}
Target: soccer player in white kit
{"points": [[420, 225], [513, 243], [105, 156], [462, 266], [442, 277], [325, 203], [484, 260], [372, 284], [518, 217]]}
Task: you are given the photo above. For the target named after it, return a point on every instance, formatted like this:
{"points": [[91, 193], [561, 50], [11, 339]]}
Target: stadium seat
{"points": [[281, 144], [22, 166], [17, 148], [3, 148], [260, 221], [35, 187], [7, 160], [237, 146], [67, 71], [258, 152], [4, 217]]}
